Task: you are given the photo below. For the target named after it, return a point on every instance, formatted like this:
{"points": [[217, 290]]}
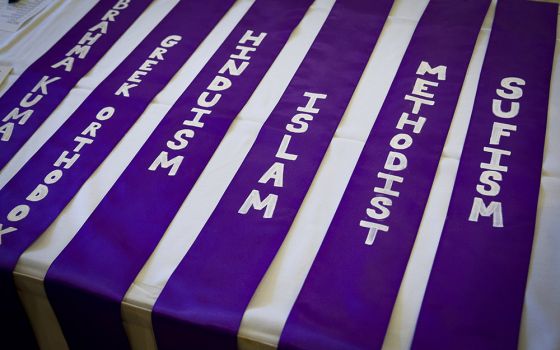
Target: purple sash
{"points": [[348, 296], [34, 197], [475, 292], [202, 305], [83, 285], [43, 85]]}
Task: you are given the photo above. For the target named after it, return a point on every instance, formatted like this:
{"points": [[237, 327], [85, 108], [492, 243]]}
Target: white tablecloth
{"points": [[269, 308]]}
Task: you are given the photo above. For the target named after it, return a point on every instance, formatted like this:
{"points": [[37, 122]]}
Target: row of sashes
{"points": [[475, 293]]}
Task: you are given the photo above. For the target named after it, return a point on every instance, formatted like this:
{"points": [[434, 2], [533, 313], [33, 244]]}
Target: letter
{"points": [[123, 90], [421, 87], [425, 67], [282, 154], [82, 141], [15, 115], [42, 84], [101, 26], [495, 159], [121, 5], [418, 102], [513, 92], [181, 136], [67, 63], [6, 131], [254, 200], [298, 120], [395, 156], [203, 99], [380, 203], [219, 83], [232, 69], [243, 53], [158, 53], [105, 113], [311, 102], [494, 210], [79, 50], [195, 122], [389, 179], [5, 231], [164, 162], [25, 103], [401, 141], [110, 15], [53, 177], [417, 124], [18, 213], [490, 178], [89, 39], [171, 41], [68, 162], [147, 65], [39, 193], [276, 172], [499, 130], [373, 228], [248, 36], [499, 112], [135, 77], [91, 130]]}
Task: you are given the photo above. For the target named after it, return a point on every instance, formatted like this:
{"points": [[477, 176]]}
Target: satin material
{"points": [[83, 284], [56, 91], [202, 305], [349, 293], [474, 297], [30, 216], [14, 327]]}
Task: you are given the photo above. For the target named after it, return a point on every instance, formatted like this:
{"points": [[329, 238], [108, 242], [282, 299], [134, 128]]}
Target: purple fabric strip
{"points": [[474, 297], [35, 196], [348, 296], [243, 234], [83, 285], [41, 88]]}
